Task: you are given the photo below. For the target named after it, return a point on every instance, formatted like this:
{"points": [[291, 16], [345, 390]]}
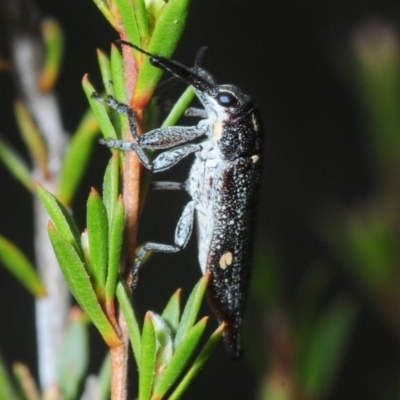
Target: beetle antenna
{"points": [[198, 61], [129, 44]]}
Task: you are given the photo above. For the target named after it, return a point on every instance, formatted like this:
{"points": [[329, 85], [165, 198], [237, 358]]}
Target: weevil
{"points": [[222, 183]]}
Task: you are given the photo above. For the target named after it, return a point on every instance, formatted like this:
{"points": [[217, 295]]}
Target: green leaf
{"points": [[199, 363], [97, 227], [147, 358], [25, 382], [105, 70], [192, 308], [135, 20], [377, 78], [61, 218], [16, 165], [268, 286], [105, 378], [105, 10], [180, 107], [373, 246], [77, 157], [80, 285], [172, 312], [54, 51], [115, 248], [99, 110], [118, 80], [32, 137], [7, 390], [308, 301], [165, 38], [165, 347], [16, 262], [154, 10], [180, 358], [74, 357], [125, 302], [327, 348], [111, 185]]}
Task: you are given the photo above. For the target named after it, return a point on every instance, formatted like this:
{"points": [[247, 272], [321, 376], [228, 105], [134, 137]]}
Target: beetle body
{"points": [[222, 183]]}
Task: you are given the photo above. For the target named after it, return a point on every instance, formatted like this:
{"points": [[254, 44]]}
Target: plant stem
{"points": [[51, 311], [131, 191]]}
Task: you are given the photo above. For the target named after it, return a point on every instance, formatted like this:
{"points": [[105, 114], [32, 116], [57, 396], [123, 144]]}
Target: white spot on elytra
{"points": [[256, 126], [226, 260]]}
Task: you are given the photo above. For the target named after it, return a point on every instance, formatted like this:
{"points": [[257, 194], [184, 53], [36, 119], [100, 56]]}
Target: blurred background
{"points": [[323, 314]]}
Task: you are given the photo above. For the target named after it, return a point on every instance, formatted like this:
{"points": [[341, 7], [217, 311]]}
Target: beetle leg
{"points": [[160, 138], [182, 234], [121, 108], [163, 138], [169, 158], [165, 185], [196, 112], [125, 145]]}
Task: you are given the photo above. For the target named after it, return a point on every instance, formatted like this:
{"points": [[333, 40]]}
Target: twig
{"points": [[27, 52]]}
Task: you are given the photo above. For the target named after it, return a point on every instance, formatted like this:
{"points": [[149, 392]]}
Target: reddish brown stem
{"points": [[131, 191], [119, 363]]}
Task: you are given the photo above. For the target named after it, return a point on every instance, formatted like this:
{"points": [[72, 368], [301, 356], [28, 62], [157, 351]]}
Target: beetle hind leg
{"points": [[182, 235]]}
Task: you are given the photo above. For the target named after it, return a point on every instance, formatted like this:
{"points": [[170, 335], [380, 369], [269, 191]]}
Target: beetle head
{"points": [[222, 102]]}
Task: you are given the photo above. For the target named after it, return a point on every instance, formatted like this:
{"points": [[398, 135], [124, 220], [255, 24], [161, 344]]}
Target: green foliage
{"points": [[7, 390], [77, 157], [17, 263], [16, 165], [54, 51], [307, 342], [74, 358]]}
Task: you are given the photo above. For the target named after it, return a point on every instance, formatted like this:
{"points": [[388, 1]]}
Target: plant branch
{"points": [[27, 52]]}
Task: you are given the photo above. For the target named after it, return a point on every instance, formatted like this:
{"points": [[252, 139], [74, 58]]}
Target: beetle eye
{"points": [[226, 99]]}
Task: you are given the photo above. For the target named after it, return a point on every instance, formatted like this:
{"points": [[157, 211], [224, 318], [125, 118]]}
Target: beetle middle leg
{"points": [[182, 235]]}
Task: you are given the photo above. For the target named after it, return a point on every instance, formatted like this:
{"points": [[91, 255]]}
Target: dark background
{"points": [[290, 56]]}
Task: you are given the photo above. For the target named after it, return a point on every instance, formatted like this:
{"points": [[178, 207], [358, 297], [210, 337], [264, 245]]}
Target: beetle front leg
{"points": [[160, 138], [169, 158], [120, 108], [196, 112], [182, 234], [125, 145]]}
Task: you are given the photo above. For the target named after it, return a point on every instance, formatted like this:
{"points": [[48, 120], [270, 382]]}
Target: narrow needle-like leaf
{"points": [[54, 44], [61, 217], [16, 262], [99, 110], [97, 227], [115, 247], [172, 312], [26, 381], [77, 157], [74, 355], [16, 165], [191, 309], [81, 286], [180, 107], [147, 358], [32, 137], [180, 359], [199, 363], [125, 303]]}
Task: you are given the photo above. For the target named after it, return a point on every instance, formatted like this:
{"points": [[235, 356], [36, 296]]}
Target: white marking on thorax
{"points": [[218, 128]]}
